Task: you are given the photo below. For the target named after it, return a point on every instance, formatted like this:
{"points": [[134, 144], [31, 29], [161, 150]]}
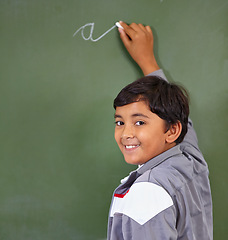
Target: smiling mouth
{"points": [[131, 147]]}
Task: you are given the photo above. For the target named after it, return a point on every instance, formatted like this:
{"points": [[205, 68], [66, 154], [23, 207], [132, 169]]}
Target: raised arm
{"points": [[139, 42]]}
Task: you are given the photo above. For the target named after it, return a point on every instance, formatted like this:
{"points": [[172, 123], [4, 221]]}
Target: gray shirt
{"points": [[169, 197]]}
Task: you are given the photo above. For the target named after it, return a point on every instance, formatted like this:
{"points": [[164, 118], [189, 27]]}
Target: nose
{"points": [[128, 132]]}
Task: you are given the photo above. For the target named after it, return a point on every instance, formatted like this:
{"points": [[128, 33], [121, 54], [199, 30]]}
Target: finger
{"points": [[148, 28], [128, 30], [124, 37], [135, 27], [142, 27]]}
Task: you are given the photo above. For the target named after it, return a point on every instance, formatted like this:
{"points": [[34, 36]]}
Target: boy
{"points": [[168, 196]]}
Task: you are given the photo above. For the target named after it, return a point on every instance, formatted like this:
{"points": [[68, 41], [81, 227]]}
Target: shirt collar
{"points": [[159, 159]]}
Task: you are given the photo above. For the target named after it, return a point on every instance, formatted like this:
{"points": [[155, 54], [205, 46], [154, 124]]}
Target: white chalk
{"points": [[118, 25]]}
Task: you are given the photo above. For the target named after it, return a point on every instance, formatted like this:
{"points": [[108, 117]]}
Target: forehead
{"points": [[133, 109]]}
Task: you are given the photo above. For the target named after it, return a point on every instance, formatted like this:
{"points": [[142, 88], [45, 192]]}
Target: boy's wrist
{"points": [[149, 68]]}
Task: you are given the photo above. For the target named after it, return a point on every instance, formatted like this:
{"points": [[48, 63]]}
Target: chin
{"points": [[133, 162]]}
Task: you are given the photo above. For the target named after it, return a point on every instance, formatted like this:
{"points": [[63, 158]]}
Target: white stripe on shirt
{"points": [[143, 201]]}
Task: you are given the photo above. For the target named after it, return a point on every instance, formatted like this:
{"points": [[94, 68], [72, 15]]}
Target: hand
{"points": [[139, 42]]}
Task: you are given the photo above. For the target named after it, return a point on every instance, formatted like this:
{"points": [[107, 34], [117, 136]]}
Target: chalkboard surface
{"points": [[59, 163]]}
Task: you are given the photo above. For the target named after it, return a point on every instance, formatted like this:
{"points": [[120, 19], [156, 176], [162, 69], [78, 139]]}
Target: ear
{"points": [[174, 132]]}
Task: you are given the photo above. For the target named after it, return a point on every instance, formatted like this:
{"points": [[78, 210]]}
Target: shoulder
{"points": [[175, 172], [171, 174]]}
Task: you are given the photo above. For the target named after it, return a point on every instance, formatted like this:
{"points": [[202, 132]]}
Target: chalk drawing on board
{"points": [[90, 37]]}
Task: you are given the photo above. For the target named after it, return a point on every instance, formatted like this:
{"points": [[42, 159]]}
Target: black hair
{"points": [[168, 100]]}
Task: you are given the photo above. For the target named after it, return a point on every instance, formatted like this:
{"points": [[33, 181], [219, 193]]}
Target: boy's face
{"points": [[139, 133]]}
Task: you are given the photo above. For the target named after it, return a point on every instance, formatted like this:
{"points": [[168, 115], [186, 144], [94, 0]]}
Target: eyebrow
{"points": [[139, 115], [117, 116], [133, 115]]}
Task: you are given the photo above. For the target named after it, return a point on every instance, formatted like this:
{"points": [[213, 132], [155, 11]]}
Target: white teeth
{"points": [[131, 146]]}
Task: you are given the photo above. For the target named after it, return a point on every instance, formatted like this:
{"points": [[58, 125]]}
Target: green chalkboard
{"points": [[59, 163]]}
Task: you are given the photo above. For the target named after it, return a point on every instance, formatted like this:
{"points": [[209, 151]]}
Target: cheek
{"points": [[151, 138], [144, 136]]}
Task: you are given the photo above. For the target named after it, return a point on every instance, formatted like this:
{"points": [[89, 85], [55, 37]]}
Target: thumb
{"points": [[124, 37]]}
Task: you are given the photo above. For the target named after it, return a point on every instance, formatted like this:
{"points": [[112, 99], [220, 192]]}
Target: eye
{"points": [[139, 123], [119, 123]]}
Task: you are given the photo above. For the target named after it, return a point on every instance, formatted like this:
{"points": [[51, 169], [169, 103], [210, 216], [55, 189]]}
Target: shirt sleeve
{"points": [[158, 73]]}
